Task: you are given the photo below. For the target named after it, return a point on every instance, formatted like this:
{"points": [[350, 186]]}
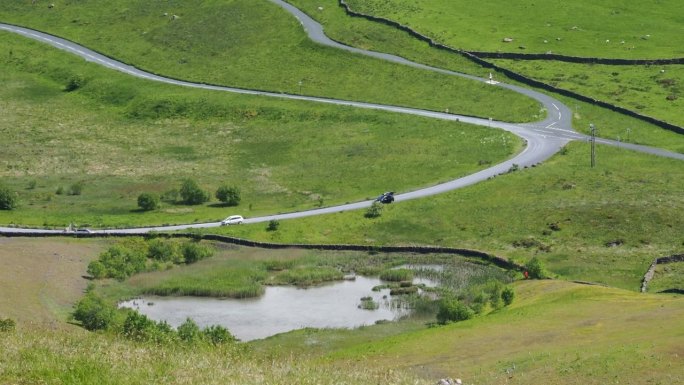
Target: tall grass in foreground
{"points": [[72, 357]]}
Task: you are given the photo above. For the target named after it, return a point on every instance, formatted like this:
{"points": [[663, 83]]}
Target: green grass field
{"points": [[121, 136], [654, 91], [639, 88], [610, 29], [250, 44], [562, 211]]}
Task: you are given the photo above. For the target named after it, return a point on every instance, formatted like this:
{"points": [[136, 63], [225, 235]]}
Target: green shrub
{"points": [[148, 201], [507, 295], [217, 334], [118, 262], [188, 331], [76, 188], [75, 82], [8, 199], [230, 196], [374, 211], [451, 310], [97, 269], [535, 269], [138, 327], [192, 194], [93, 312], [7, 325], [60, 190], [164, 251], [273, 225], [194, 251]]}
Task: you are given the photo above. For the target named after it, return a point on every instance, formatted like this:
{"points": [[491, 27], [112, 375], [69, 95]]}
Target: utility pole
{"points": [[593, 145]]}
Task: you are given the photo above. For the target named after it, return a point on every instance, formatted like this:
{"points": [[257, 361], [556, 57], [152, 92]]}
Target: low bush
{"points": [[452, 310], [507, 295], [273, 225], [374, 211], [118, 262], [148, 201], [7, 325], [164, 250], [93, 312], [8, 199], [230, 196], [191, 193], [194, 251], [535, 269], [76, 188]]}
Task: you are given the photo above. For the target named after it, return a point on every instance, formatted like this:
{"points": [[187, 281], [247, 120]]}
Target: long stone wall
{"points": [[477, 57], [651, 271], [493, 259]]}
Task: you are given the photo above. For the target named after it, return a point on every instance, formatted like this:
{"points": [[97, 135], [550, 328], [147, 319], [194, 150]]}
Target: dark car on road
{"points": [[387, 197]]}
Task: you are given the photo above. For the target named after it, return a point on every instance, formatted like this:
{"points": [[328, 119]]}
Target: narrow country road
{"points": [[543, 139]]}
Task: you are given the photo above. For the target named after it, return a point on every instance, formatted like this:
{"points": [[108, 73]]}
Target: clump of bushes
{"points": [[477, 299], [127, 258], [94, 313]]}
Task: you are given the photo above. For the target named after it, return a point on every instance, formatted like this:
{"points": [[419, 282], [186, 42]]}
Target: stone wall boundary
{"points": [[477, 57], [651, 271], [486, 257]]}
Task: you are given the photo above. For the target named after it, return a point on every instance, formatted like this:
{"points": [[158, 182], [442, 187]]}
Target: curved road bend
{"points": [[543, 138]]}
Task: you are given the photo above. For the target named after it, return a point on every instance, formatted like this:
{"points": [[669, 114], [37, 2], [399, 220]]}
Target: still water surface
{"points": [[280, 309]]}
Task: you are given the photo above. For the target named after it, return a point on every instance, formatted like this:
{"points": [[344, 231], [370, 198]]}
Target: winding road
{"points": [[543, 139]]}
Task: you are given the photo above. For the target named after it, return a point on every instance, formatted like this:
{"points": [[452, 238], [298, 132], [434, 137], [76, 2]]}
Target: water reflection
{"points": [[279, 310]]}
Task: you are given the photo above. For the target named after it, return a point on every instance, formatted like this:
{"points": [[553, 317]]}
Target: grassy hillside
{"points": [[120, 136], [614, 28], [555, 333], [650, 90], [582, 222], [255, 44]]}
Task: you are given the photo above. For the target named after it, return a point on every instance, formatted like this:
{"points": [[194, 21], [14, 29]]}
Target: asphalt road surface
{"points": [[543, 139]]}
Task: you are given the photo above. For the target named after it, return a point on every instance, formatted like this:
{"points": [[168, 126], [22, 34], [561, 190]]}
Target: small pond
{"points": [[280, 309]]}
